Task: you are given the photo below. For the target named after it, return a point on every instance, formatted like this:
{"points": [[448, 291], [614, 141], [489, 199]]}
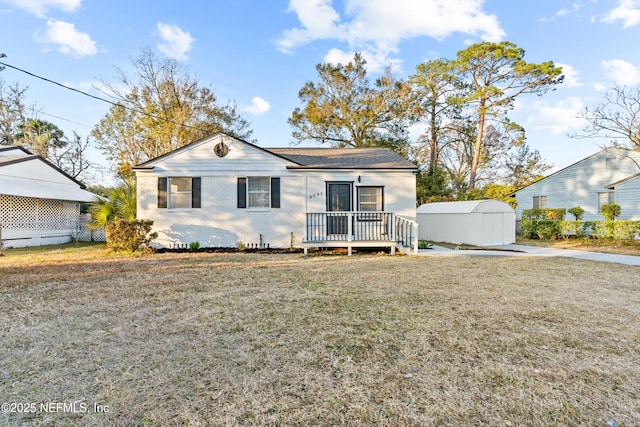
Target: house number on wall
{"points": [[221, 149]]}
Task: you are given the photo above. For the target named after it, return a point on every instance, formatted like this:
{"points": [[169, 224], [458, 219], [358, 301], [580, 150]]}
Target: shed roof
{"points": [[465, 207]]}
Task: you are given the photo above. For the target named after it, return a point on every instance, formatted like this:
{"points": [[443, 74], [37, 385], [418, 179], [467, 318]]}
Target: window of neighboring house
{"points": [[258, 192], [605, 198], [539, 202], [370, 199], [178, 192]]}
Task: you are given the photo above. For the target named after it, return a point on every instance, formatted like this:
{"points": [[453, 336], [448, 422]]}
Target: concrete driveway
{"points": [[522, 250]]}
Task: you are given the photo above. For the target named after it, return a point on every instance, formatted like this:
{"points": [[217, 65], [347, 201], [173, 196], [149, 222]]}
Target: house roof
{"points": [[33, 184], [620, 151], [342, 158], [314, 158], [622, 181]]}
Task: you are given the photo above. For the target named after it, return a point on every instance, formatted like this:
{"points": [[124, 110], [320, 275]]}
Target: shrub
{"points": [[556, 213], [535, 213], [129, 235], [577, 212], [610, 211], [543, 229], [544, 213], [616, 229], [194, 246]]}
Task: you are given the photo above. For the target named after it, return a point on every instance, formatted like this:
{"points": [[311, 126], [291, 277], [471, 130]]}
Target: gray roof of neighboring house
{"points": [[342, 158]]}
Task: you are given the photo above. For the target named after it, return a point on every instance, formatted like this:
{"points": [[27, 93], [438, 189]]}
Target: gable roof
{"points": [[35, 186], [343, 158], [622, 181], [313, 158], [614, 150]]}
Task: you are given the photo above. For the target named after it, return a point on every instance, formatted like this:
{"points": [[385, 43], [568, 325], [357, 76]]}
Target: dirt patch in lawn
{"points": [[227, 339]]}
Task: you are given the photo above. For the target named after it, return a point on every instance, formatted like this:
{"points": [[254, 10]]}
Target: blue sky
{"points": [[259, 53]]}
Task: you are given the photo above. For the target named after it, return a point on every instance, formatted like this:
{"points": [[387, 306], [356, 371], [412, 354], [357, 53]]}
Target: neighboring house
{"points": [[608, 176], [224, 192], [39, 203]]}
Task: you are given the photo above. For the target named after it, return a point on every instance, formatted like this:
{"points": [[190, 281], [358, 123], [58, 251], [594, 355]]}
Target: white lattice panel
{"points": [[40, 214]]}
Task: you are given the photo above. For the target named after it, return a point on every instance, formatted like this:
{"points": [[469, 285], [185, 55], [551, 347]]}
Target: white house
{"points": [[608, 176], [474, 222], [221, 192], [39, 203]]}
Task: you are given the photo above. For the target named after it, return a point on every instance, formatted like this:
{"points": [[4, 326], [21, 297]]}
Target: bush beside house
{"points": [[549, 224]]}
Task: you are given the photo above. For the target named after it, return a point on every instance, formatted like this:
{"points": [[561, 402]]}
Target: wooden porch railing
{"points": [[360, 229]]}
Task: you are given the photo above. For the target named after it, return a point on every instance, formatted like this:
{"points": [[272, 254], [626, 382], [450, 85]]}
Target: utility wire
{"points": [[116, 104]]}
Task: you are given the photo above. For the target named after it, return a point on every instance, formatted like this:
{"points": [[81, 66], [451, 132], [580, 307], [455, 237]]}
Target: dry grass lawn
{"points": [[246, 339]]}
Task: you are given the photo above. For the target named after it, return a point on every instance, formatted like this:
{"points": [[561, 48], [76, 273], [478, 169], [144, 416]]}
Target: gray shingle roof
{"points": [[343, 158]]}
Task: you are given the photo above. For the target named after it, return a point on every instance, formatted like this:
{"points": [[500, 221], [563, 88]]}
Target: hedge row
{"points": [[548, 229]]}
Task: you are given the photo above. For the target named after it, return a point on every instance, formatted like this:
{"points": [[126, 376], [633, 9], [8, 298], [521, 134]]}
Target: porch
{"points": [[360, 229]]}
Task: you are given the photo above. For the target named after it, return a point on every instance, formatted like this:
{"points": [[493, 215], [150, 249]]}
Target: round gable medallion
{"points": [[221, 149]]}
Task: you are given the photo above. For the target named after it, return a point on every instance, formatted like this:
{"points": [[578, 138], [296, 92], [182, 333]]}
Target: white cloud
{"points": [[258, 106], [622, 72], [376, 61], [68, 39], [378, 26], [628, 11], [40, 7], [576, 6], [176, 43], [556, 117], [570, 76]]}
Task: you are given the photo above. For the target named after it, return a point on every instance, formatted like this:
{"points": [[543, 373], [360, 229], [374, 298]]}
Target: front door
{"points": [[338, 200]]}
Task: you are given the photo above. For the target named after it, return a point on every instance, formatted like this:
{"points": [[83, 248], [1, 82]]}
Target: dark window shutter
{"points": [[275, 192], [242, 192], [196, 184], [162, 192]]}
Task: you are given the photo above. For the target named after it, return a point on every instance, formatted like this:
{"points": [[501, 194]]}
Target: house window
{"points": [[605, 198], [179, 192], [370, 199], [539, 202], [258, 192]]}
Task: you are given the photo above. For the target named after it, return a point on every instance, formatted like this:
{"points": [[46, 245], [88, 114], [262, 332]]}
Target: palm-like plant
{"points": [[118, 202]]}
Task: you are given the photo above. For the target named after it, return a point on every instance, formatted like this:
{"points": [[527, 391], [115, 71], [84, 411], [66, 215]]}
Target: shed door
{"points": [[493, 229], [338, 200]]}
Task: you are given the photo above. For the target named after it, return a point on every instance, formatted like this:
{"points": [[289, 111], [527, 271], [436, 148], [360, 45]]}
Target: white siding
{"points": [[219, 223], [628, 197], [579, 184]]}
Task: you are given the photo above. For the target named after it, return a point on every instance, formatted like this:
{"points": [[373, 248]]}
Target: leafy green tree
{"points": [[40, 137], [344, 109], [162, 109], [432, 185], [114, 203], [435, 89], [497, 75]]}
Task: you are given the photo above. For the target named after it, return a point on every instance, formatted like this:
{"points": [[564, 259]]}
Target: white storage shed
{"points": [[473, 222]]}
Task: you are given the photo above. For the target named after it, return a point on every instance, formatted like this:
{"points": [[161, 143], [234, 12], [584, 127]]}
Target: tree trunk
{"points": [[477, 149]]}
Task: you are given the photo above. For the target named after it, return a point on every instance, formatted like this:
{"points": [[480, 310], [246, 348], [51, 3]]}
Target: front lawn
{"points": [[228, 339]]}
